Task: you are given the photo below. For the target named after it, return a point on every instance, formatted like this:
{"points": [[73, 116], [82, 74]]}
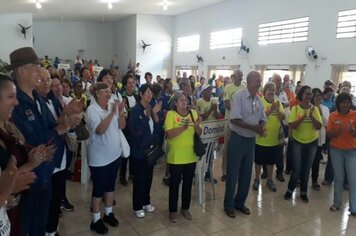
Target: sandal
{"points": [[316, 186]]}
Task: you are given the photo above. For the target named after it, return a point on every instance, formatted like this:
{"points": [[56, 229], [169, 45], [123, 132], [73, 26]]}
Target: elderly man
{"points": [[36, 123], [346, 88], [246, 120], [43, 88], [229, 91]]}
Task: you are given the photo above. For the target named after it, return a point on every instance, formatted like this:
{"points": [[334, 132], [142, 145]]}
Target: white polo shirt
{"points": [[102, 149]]}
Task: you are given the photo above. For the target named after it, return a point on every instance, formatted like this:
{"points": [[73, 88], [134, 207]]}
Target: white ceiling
{"points": [[97, 10]]}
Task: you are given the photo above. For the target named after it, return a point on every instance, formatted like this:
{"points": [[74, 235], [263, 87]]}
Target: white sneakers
{"points": [[149, 208], [141, 213]]}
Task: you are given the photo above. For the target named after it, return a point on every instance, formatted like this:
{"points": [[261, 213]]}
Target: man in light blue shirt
{"points": [[246, 120]]}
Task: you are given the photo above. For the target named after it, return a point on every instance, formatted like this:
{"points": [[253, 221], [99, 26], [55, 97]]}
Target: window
{"points": [[269, 73], [295, 72], [189, 70], [188, 44], [287, 31], [225, 39], [225, 71], [346, 24]]}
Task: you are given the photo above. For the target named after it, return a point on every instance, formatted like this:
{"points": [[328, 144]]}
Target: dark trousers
{"points": [[279, 161], [35, 206], [123, 167], [177, 173], [143, 173], [289, 156], [240, 156], [58, 190], [303, 157], [316, 164], [329, 172]]}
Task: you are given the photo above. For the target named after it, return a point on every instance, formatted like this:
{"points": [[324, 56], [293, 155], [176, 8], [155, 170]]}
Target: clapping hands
{"points": [[40, 154], [157, 108]]}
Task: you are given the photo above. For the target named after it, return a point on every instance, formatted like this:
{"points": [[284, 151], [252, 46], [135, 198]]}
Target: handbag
{"points": [[81, 131], [153, 153], [199, 147], [71, 140], [125, 147]]}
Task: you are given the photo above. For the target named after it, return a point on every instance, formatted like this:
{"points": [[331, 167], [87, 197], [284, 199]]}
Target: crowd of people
{"points": [[42, 107]]}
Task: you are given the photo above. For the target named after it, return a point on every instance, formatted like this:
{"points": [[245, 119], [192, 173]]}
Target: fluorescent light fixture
{"points": [[38, 4], [165, 5], [109, 5]]}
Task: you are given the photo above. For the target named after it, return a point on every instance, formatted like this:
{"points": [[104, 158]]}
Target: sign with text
{"points": [[64, 66], [212, 130]]}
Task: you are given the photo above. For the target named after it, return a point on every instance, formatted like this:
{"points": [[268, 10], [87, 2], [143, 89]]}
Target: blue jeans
{"points": [[240, 156], [344, 165], [302, 161]]}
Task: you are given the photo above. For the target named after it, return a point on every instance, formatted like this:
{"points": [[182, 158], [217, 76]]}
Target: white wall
{"points": [[64, 39], [125, 41], [157, 31], [249, 14], [11, 37]]}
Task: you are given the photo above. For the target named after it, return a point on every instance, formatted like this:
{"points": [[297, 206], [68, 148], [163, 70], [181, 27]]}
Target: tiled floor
{"points": [[270, 213]]}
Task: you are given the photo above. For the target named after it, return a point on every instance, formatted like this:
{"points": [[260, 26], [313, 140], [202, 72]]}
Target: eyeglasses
{"points": [[254, 106]]}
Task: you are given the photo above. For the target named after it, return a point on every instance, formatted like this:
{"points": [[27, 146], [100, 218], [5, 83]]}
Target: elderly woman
{"points": [[305, 121], [67, 87], [341, 129], [144, 127], [180, 126], [57, 89], [267, 147], [324, 112], [106, 77], [130, 99], [104, 119], [12, 143]]}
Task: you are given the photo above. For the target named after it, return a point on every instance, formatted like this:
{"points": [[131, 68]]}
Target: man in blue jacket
{"points": [[38, 126]]}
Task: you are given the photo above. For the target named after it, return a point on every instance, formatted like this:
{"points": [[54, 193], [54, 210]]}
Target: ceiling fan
{"points": [[24, 29], [243, 48], [144, 45], [200, 58], [311, 54]]}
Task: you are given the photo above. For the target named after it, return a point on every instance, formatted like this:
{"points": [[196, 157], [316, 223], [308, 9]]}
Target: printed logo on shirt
{"points": [[183, 120], [30, 116]]}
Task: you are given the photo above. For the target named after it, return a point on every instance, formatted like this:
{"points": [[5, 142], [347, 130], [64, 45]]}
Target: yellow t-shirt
{"points": [[203, 106], [83, 96], [229, 91], [118, 85], [272, 126], [180, 148], [305, 133]]}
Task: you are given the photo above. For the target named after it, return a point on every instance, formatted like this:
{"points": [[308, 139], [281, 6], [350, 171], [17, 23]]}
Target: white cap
{"points": [[205, 86]]}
